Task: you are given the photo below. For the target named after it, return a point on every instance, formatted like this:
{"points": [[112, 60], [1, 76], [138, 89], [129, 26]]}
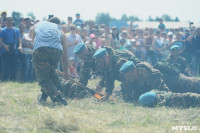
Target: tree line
{"points": [[104, 18]]}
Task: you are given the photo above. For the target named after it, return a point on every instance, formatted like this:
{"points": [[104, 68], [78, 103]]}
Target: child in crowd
{"points": [[72, 68]]}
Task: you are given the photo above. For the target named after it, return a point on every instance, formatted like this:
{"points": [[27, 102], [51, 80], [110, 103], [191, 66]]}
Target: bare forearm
{"points": [[64, 63], [71, 43], [2, 44]]}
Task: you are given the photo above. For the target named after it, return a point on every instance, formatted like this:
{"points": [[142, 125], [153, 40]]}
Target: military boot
{"points": [[60, 99], [42, 98]]}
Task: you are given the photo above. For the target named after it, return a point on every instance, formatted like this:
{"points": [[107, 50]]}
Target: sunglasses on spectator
{"points": [[27, 19], [72, 28]]}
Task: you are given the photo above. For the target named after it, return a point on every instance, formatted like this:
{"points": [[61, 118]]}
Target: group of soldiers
{"points": [[167, 83]]}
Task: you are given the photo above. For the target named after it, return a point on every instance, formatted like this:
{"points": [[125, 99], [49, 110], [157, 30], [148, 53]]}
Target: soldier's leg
{"points": [[43, 69], [184, 100], [188, 84], [63, 85]]}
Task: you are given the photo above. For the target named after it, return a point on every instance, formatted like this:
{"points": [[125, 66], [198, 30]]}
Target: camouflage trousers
{"points": [[176, 81], [45, 60], [69, 89], [181, 84], [184, 100]]}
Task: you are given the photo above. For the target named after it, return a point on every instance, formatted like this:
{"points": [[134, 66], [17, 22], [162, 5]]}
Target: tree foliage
{"points": [[165, 17], [31, 15], [16, 17], [105, 18]]}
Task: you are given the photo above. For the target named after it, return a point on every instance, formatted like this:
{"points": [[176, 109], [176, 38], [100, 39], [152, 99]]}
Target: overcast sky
{"points": [[185, 9]]}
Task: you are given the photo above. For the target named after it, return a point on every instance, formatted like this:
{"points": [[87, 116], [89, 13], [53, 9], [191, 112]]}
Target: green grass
{"points": [[21, 113]]}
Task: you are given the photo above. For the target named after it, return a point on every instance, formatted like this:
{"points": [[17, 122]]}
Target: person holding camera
{"points": [[194, 39], [11, 44]]}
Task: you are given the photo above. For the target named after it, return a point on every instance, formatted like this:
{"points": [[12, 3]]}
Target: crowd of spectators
{"points": [[151, 45]]}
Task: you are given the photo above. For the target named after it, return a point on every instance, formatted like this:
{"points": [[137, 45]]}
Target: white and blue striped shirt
{"points": [[47, 34]]}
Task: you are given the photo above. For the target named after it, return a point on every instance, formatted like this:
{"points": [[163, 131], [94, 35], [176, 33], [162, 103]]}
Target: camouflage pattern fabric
{"points": [[118, 58], [70, 89], [87, 67], [184, 100], [178, 62], [176, 81], [45, 60], [148, 79]]}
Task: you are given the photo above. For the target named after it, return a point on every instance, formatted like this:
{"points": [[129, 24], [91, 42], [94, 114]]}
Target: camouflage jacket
{"points": [[176, 81], [183, 100], [118, 58], [148, 78], [180, 63], [87, 66]]}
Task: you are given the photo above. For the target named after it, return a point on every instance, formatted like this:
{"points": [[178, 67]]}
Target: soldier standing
{"points": [[50, 45]]}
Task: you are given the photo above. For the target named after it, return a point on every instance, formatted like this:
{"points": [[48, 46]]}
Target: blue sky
{"points": [[186, 10]]}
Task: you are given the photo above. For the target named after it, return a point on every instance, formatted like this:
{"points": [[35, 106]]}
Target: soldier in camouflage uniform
{"points": [[85, 53], [176, 81], [49, 45], [143, 77], [177, 61], [162, 98], [108, 62], [139, 79], [69, 89]]}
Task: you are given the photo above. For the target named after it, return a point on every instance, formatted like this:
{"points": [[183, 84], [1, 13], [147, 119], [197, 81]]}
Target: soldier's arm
{"points": [[64, 58], [166, 68], [84, 74], [127, 92]]}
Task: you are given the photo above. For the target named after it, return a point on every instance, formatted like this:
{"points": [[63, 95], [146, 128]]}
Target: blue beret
{"points": [[126, 67], [174, 47], [100, 53], [148, 99], [79, 48]]}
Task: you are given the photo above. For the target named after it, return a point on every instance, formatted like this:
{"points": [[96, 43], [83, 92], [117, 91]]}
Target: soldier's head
{"points": [[55, 20], [128, 70], [174, 49], [81, 50], [102, 59]]}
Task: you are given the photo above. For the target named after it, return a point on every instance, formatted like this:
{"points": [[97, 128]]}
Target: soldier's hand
{"points": [[106, 97], [66, 75], [98, 88]]}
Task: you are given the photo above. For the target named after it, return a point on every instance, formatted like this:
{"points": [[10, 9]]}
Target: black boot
{"points": [[60, 100], [42, 98]]}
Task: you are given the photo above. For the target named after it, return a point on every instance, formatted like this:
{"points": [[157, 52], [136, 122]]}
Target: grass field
{"points": [[21, 113]]}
